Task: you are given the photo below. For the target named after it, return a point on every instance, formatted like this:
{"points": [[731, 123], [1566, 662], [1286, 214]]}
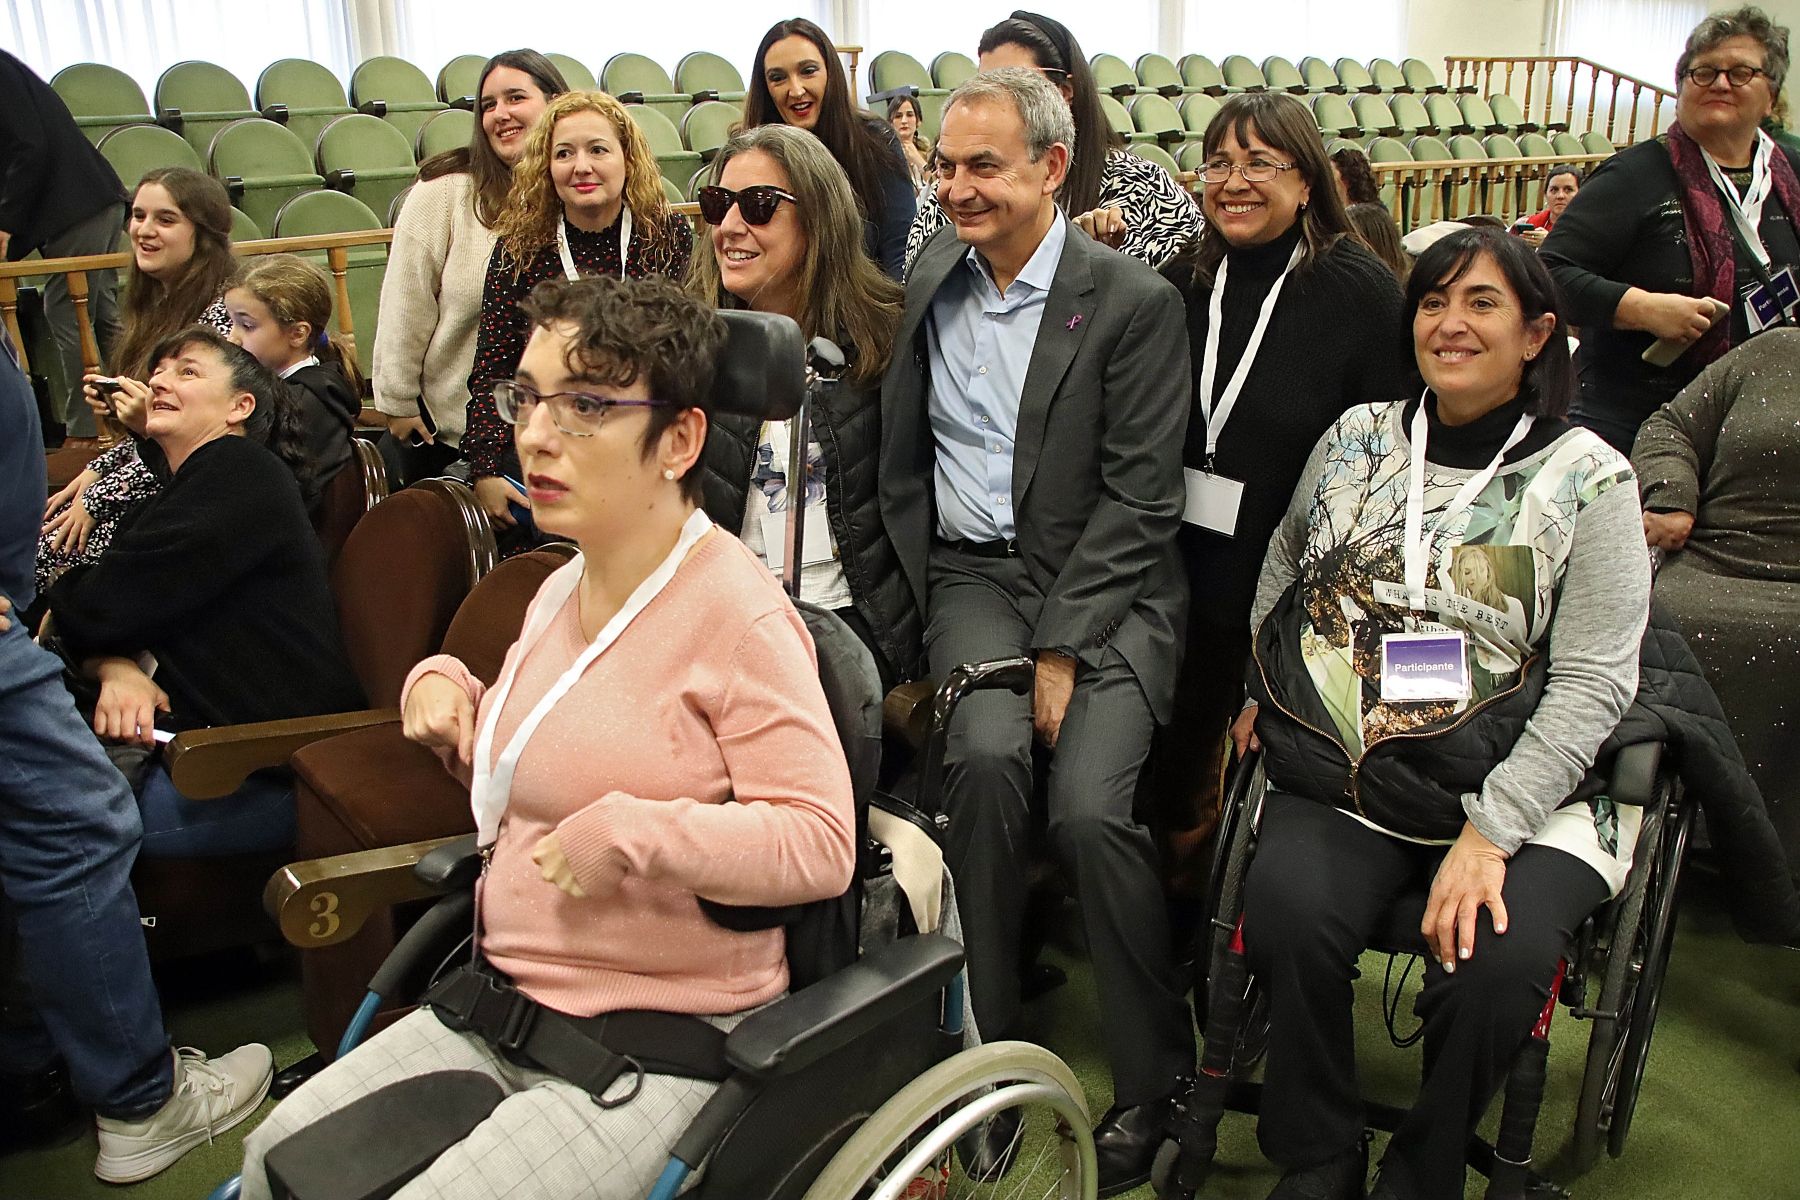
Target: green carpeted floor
{"points": [[1719, 1119]]}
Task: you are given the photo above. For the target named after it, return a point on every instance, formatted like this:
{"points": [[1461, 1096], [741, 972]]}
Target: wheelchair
{"points": [[855, 1085], [1612, 977]]}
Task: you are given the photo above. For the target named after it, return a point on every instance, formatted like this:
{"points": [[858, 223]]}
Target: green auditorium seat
{"points": [[951, 69], [243, 228], [1335, 118], [1200, 74], [1242, 75], [1409, 115], [262, 166], [1536, 145], [448, 130], [1507, 110], [1390, 150], [336, 212], [1388, 76], [1319, 76], [1420, 77], [705, 126], [398, 203], [704, 75], [634, 79], [1197, 112], [698, 180], [366, 157], [1354, 76], [1121, 121], [1429, 148], [1499, 145], [396, 91], [134, 149], [1151, 152], [1565, 144], [302, 95], [1154, 115], [1470, 192], [1595, 142], [1114, 78], [1376, 116], [673, 194], [676, 161], [1191, 156], [1478, 115], [460, 78], [1446, 117], [1160, 75], [197, 99], [892, 73], [101, 98], [574, 73], [1282, 76]]}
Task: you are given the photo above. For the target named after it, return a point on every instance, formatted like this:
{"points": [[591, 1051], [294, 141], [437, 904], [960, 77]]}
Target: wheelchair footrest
{"points": [[372, 1147]]}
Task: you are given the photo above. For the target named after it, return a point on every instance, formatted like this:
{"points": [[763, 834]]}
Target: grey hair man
{"points": [[1032, 423]]}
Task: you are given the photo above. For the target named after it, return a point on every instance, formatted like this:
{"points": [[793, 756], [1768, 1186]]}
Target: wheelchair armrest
{"points": [[1633, 776], [450, 867], [795, 1032], [1017, 675], [207, 763], [327, 900], [906, 710]]}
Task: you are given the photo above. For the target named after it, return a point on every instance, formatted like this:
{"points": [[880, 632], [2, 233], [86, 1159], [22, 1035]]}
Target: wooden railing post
{"points": [[77, 282], [338, 258], [1569, 114]]}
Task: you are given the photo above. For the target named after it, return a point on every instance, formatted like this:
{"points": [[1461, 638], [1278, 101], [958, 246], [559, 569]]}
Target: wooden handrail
{"points": [[1461, 71]]}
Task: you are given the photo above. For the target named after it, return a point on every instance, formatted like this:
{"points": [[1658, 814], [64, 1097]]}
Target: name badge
{"points": [[1786, 290], [815, 539], [1424, 666], [1212, 501], [1761, 308]]}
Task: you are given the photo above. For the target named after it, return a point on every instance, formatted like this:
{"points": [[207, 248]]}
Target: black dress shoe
{"points": [[1337, 1178], [987, 1152], [38, 1110], [291, 1077], [1126, 1141]]}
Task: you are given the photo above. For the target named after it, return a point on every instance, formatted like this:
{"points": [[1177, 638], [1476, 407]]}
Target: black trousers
{"points": [[982, 608], [1317, 891]]}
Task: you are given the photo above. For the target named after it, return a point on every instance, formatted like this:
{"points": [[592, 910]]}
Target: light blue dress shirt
{"points": [[980, 344]]}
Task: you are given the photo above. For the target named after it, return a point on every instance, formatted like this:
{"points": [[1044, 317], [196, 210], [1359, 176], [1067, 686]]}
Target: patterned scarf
{"points": [[1709, 229]]}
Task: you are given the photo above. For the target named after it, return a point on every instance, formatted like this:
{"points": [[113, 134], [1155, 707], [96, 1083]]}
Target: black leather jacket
{"points": [[847, 425]]}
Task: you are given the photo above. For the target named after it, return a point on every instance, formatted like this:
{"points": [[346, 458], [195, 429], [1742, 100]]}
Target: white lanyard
{"points": [[491, 783], [568, 259], [1218, 412], [1746, 209], [1417, 546]]}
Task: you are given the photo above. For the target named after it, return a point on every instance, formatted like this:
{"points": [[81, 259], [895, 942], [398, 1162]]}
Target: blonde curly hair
{"points": [[528, 222]]}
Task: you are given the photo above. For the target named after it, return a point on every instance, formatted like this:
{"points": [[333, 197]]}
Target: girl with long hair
{"points": [[783, 238], [443, 238], [586, 199], [799, 80]]}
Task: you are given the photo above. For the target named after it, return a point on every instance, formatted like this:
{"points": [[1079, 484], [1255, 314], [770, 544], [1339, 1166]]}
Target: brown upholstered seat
{"points": [[358, 487]]}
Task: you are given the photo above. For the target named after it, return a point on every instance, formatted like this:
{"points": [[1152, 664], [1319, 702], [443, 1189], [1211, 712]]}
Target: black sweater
{"points": [[1624, 229], [1333, 342], [51, 177], [328, 412], [221, 579]]}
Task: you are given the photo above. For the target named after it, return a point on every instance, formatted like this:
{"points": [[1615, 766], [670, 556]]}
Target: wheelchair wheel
{"points": [[1637, 952], [904, 1149]]}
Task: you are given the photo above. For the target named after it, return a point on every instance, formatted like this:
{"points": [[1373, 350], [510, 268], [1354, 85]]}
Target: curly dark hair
{"points": [[275, 422], [631, 328], [1359, 178]]}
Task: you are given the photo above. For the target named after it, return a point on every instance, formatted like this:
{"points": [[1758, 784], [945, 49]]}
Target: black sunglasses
{"points": [[756, 204]]}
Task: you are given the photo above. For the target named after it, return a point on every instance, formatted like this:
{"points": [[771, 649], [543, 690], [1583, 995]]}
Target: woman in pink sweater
{"points": [[657, 735]]}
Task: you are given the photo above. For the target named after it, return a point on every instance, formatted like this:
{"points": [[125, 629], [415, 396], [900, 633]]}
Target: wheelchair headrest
{"points": [[762, 370]]}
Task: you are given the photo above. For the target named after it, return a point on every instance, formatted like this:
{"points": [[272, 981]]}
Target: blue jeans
{"points": [[69, 833], [258, 816]]}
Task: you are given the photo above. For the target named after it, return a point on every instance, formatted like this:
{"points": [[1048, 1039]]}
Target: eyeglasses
{"points": [[756, 205], [1737, 77], [577, 414], [1259, 170]]}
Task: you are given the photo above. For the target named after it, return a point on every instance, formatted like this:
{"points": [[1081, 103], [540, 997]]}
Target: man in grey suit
{"points": [[1032, 424]]}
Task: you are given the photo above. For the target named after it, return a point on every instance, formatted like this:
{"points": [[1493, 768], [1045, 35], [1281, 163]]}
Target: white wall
{"points": [[1490, 28]]}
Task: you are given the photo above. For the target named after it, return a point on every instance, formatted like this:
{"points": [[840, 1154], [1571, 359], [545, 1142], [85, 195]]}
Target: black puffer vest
{"points": [[846, 423]]}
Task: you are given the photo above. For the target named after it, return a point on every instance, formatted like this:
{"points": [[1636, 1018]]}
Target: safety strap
{"points": [[589, 1052]]}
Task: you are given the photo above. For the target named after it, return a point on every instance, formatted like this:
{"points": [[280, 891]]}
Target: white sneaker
{"points": [[209, 1097]]}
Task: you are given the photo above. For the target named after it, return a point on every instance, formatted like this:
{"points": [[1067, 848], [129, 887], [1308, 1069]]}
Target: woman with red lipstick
{"points": [[586, 199], [443, 238], [798, 80], [1669, 232], [1291, 320], [783, 237]]}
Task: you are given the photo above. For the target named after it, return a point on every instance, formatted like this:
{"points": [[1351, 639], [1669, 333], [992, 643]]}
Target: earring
{"points": [[669, 473], [1303, 206]]}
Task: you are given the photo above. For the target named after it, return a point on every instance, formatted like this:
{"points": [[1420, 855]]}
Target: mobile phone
{"points": [[104, 384], [521, 513], [426, 420]]}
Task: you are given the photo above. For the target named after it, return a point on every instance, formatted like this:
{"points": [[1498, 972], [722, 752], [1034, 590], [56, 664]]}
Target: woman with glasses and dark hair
{"points": [[586, 199], [783, 236], [1132, 205], [1683, 246], [658, 734], [798, 80], [1435, 668], [443, 238], [1291, 320]]}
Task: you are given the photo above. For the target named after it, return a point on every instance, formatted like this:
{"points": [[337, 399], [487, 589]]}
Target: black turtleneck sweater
{"points": [[1333, 342], [1471, 446]]}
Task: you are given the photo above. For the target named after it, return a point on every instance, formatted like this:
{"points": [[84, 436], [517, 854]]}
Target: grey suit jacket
{"points": [[1097, 485]]}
